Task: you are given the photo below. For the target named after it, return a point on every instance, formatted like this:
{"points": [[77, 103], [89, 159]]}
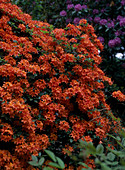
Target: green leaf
{"points": [[44, 31], [91, 148], [100, 149], [41, 161], [110, 156], [60, 162], [97, 161], [39, 153], [83, 164], [111, 163], [107, 30], [100, 27], [54, 165], [33, 163], [51, 155], [34, 158], [121, 154], [55, 16], [118, 138], [105, 167], [119, 167], [123, 142], [47, 168], [118, 153]]}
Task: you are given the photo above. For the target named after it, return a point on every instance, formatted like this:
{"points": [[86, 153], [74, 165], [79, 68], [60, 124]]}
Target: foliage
{"points": [[51, 91], [106, 156], [109, 154], [57, 162]]}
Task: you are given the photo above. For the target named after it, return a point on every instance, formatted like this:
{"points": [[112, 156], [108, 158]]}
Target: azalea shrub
{"points": [[51, 89], [107, 18]]}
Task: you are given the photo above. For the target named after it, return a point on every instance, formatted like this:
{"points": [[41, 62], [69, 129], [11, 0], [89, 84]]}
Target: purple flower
{"points": [[84, 6], [114, 42], [63, 13], [110, 25], [95, 11], [97, 19], [68, 1], [122, 22], [123, 2], [103, 22], [119, 17], [90, 18], [78, 7], [69, 6], [52, 3], [119, 32], [109, 19], [111, 43], [102, 10], [76, 20], [117, 41], [68, 20], [101, 39]]}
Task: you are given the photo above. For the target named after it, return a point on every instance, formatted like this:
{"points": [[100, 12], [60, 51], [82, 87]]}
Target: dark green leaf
{"points": [[123, 142], [97, 161], [47, 168], [111, 163], [34, 158], [60, 162], [100, 149], [110, 156], [33, 163], [41, 161], [54, 165], [105, 167], [44, 31], [83, 164], [51, 155]]}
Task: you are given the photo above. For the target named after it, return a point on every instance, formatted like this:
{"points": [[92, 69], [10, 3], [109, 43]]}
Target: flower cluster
{"points": [[115, 42], [120, 96], [51, 88]]}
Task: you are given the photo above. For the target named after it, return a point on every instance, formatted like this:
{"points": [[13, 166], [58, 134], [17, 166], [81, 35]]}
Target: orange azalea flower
{"points": [[39, 124], [87, 139], [50, 116], [22, 27], [67, 150], [82, 22], [100, 132], [53, 137], [72, 30], [63, 125], [6, 133], [118, 94]]}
